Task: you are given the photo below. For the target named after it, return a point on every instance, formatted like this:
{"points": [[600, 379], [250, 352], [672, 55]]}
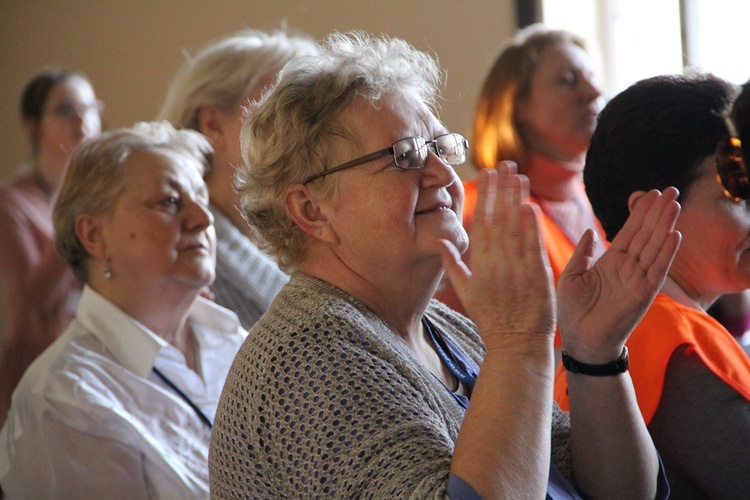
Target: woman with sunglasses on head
{"points": [[355, 383], [692, 378], [59, 111], [121, 404]]}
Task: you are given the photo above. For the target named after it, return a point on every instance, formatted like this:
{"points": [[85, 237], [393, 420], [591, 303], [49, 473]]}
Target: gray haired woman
{"points": [[355, 383], [121, 405], [209, 94]]}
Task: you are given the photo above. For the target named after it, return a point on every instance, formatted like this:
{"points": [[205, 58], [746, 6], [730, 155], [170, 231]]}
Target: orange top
{"points": [[666, 326]]}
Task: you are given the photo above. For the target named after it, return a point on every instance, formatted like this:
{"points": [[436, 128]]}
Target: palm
{"points": [[599, 305]]}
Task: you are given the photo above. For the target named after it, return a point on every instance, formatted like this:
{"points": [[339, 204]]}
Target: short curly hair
{"points": [[295, 129], [96, 177], [653, 135]]}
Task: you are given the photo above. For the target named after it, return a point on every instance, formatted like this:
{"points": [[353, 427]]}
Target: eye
{"points": [[170, 202], [568, 79], [65, 110]]}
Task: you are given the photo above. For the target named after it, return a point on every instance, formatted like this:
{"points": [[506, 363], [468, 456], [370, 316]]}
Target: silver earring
{"points": [[107, 271]]}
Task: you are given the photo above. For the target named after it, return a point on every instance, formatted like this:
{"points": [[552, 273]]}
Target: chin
{"points": [[459, 239]]}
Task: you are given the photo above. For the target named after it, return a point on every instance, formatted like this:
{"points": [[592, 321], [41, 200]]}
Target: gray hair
{"points": [[227, 70], [295, 129], [96, 177]]}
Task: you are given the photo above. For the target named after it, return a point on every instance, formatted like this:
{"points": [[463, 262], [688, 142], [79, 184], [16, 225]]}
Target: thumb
{"points": [[582, 258], [456, 270]]}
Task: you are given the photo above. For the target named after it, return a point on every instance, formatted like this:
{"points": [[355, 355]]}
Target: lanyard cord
{"points": [[446, 355], [185, 398]]}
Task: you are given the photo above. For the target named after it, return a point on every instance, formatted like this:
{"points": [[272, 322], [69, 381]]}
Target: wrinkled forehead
{"points": [[395, 115], [155, 164]]}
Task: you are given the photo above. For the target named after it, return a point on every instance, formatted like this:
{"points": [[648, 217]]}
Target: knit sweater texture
{"points": [[324, 400]]}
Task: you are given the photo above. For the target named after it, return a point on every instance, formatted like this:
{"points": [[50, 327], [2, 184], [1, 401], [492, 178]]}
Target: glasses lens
{"points": [[732, 171], [451, 148], [410, 153]]}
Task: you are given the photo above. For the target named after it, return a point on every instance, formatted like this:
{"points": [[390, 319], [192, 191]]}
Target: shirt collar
{"points": [[134, 345]]}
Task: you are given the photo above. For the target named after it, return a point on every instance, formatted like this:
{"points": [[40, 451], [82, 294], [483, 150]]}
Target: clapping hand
{"points": [[599, 305], [507, 289]]}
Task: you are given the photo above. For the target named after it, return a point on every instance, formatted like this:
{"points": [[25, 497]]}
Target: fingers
{"points": [[649, 227], [499, 195]]}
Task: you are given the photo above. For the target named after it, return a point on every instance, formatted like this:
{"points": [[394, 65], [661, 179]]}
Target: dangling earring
{"points": [[107, 271]]}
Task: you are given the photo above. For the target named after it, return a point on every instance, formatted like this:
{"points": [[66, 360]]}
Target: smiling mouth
{"points": [[433, 209]]}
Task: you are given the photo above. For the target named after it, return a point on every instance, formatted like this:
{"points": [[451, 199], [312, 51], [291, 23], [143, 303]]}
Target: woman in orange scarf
{"points": [[538, 108]]}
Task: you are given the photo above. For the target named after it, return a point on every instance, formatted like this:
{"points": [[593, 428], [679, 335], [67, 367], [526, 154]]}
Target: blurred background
{"points": [[131, 49]]}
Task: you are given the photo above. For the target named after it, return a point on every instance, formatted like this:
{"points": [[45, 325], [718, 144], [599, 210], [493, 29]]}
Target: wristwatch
{"points": [[616, 367]]}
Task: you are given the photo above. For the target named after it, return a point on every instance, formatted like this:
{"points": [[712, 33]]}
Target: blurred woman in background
{"points": [[538, 108], [59, 110], [208, 94]]}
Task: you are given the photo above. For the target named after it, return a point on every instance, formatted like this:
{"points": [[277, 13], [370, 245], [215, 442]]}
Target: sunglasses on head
{"points": [[731, 170]]}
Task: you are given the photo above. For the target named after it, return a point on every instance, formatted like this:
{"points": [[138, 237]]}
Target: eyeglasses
{"points": [[410, 153], [69, 110], [731, 170]]}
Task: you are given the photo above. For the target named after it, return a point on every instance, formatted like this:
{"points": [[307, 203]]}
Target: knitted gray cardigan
{"points": [[324, 400]]}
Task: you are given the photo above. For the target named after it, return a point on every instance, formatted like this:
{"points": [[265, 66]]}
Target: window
{"points": [[635, 39]]}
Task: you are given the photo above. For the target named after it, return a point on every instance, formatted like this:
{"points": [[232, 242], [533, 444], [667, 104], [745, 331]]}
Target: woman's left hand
{"points": [[599, 305]]}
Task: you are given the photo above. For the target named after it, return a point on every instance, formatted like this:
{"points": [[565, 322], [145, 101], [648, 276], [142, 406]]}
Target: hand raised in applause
{"points": [[599, 305], [507, 288]]}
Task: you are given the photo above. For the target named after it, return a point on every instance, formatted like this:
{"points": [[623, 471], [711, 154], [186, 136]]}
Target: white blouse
{"points": [[90, 419]]}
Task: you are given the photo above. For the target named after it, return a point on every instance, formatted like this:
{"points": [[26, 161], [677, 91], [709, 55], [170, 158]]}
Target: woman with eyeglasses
{"points": [[355, 383], [122, 403], [691, 377], [59, 110]]}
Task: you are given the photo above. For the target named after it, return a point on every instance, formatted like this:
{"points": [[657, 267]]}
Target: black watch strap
{"points": [[612, 368]]}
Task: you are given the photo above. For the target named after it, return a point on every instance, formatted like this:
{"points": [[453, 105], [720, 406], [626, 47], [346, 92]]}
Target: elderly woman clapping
{"points": [[122, 404], [355, 383]]}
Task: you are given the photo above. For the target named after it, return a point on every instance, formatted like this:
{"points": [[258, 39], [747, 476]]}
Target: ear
{"points": [[211, 125], [306, 211], [32, 129], [90, 233], [634, 198]]}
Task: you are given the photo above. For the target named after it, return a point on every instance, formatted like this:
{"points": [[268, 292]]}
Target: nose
{"points": [[199, 216], [437, 173], [590, 89]]}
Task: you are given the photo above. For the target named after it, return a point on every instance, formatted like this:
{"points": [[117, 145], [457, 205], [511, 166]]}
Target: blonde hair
{"points": [[227, 70], [295, 130], [96, 177], [495, 134]]}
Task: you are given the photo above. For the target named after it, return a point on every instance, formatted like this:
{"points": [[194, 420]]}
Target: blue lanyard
{"points": [[445, 353], [184, 397]]}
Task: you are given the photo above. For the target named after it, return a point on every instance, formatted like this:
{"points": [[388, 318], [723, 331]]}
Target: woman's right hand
{"points": [[507, 288]]}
